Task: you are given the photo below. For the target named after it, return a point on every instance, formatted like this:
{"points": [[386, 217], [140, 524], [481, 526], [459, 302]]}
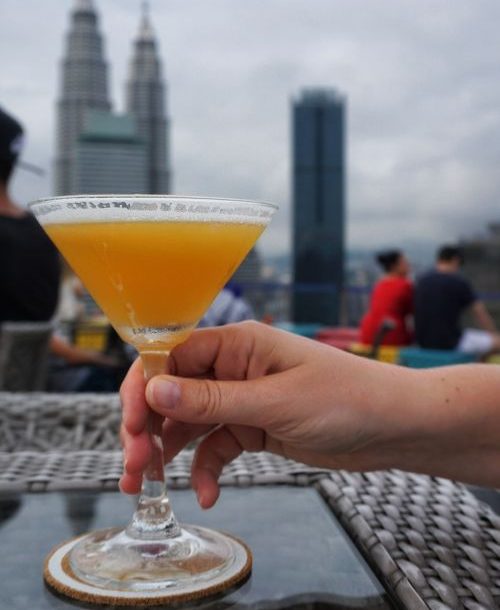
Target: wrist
{"points": [[443, 427], [387, 426], [404, 422]]}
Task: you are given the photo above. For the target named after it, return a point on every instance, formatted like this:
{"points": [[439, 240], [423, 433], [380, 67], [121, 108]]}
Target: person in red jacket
{"points": [[391, 300]]}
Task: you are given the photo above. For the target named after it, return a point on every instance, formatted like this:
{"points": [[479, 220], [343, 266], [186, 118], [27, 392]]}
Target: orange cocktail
{"points": [[153, 263], [154, 280]]}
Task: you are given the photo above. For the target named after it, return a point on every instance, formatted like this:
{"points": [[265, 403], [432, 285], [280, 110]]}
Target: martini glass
{"points": [[154, 263]]}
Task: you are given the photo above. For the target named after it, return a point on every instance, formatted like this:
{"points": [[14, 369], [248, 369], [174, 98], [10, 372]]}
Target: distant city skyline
{"points": [[421, 79], [98, 150]]}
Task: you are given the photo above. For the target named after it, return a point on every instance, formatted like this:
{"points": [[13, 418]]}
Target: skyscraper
{"points": [[83, 86], [110, 157], [318, 205], [84, 90], [146, 102], [248, 276]]}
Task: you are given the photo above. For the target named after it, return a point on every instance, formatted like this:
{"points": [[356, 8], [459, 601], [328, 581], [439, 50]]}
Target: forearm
{"points": [[448, 423], [483, 318], [73, 354], [486, 322]]}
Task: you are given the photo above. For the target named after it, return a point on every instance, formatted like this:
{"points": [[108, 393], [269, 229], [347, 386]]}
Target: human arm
{"points": [[482, 317], [249, 387], [73, 355]]}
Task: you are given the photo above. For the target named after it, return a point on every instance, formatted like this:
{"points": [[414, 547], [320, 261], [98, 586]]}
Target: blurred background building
{"points": [[318, 165], [146, 103], [482, 267], [248, 277], [83, 86], [138, 139], [110, 157]]}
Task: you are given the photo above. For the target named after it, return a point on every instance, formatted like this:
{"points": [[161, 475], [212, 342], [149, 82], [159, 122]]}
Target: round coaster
{"points": [[59, 575]]}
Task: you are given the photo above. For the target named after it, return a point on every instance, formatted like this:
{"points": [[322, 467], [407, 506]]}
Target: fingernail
{"points": [[201, 498], [165, 393]]}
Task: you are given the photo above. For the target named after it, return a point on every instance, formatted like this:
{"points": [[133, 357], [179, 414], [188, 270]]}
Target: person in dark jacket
{"points": [[442, 296], [29, 269]]}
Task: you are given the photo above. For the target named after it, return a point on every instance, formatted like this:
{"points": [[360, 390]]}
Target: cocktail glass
{"points": [[153, 263]]}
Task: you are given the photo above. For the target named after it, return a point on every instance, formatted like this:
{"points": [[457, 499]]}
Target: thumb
{"points": [[207, 401]]}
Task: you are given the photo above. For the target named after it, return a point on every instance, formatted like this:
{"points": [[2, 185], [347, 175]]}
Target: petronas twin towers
{"points": [[96, 149]]}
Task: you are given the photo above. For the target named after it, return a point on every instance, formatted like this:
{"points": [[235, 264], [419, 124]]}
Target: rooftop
{"points": [[319, 95]]}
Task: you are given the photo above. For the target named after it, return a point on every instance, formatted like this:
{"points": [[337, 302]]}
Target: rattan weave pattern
{"points": [[33, 471], [41, 421], [427, 536], [433, 544]]}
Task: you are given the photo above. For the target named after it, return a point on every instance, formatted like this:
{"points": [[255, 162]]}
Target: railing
{"points": [[273, 300]]}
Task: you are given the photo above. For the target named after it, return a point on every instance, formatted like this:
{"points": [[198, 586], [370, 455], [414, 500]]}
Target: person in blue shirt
{"points": [[228, 307]]}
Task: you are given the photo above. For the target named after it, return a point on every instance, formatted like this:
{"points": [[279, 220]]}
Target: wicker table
{"points": [[431, 543]]}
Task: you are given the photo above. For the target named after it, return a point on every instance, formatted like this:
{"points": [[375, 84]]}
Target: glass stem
{"points": [[154, 518]]}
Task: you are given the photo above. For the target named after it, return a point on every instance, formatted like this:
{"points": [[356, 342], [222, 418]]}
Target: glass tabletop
{"points": [[302, 557]]}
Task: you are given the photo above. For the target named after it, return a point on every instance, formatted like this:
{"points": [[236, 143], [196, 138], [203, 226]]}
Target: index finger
{"points": [[222, 352], [196, 356], [133, 399]]}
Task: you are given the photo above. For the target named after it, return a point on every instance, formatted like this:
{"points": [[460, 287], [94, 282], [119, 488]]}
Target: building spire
{"points": [[146, 102], [146, 29]]}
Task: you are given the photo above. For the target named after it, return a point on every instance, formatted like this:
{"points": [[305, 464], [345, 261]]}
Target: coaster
{"points": [[59, 575]]}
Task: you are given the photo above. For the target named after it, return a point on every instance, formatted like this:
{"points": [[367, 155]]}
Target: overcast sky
{"points": [[422, 80]]}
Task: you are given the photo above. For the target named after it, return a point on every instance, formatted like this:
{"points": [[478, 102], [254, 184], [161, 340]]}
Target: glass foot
{"points": [[195, 558]]}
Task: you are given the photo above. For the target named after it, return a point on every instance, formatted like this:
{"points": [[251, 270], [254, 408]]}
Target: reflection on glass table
{"points": [[302, 557]]}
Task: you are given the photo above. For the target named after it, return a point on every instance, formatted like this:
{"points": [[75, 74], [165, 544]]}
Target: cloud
{"points": [[420, 78]]}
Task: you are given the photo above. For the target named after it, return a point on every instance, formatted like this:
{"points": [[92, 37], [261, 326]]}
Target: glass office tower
{"points": [[318, 205]]}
